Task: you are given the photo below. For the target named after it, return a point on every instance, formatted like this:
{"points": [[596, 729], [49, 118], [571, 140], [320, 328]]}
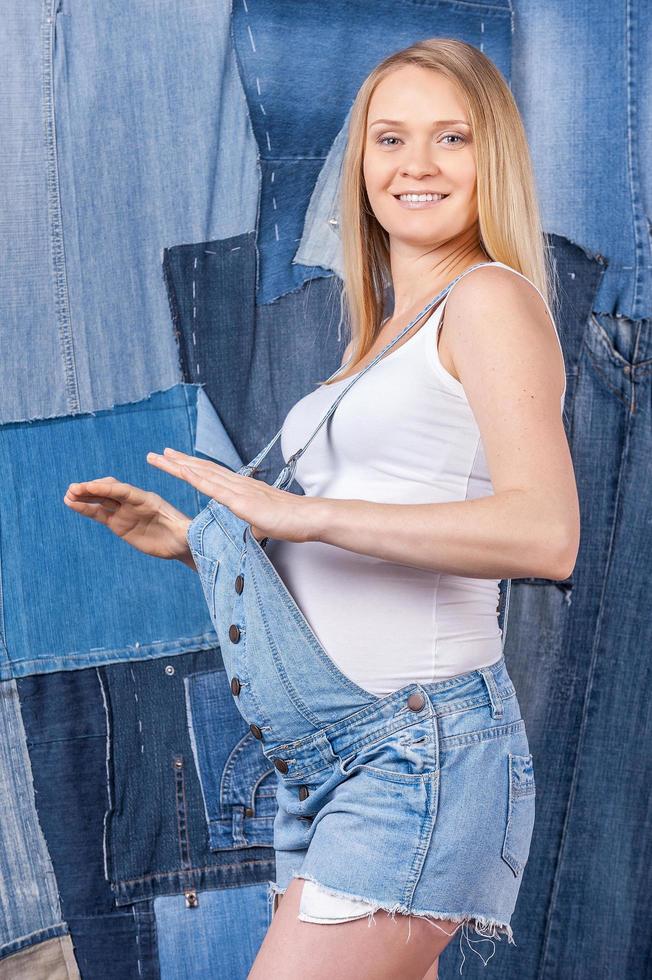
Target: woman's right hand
{"points": [[140, 517]]}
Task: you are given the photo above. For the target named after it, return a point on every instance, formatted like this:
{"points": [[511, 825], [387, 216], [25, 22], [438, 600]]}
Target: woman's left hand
{"points": [[269, 511]]}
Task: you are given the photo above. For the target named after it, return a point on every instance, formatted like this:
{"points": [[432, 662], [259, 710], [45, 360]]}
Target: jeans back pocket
{"points": [[238, 783]]}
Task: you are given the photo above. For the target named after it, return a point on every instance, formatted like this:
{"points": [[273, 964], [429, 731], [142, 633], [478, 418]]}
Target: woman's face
{"points": [[420, 149]]}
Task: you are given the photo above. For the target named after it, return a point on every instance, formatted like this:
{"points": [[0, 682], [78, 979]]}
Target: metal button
{"points": [[416, 701], [234, 633], [281, 765], [304, 792], [239, 584], [169, 669], [249, 812], [235, 685], [255, 730]]}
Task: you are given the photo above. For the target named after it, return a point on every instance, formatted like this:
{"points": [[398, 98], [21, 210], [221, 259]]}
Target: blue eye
{"points": [[456, 136]]}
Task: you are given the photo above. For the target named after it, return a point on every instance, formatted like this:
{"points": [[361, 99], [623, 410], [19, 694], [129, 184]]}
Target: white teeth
{"points": [[421, 197]]}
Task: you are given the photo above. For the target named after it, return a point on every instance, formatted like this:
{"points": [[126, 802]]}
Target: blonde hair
{"points": [[508, 211]]}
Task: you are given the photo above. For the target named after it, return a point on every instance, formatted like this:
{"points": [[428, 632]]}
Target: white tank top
{"points": [[403, 434]]}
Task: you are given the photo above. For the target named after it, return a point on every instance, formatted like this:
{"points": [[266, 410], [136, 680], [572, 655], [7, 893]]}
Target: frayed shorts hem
{"points": [[486, 927]]}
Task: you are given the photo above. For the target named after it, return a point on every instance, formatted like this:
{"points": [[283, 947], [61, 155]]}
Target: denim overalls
{"points": [[361, 777]]}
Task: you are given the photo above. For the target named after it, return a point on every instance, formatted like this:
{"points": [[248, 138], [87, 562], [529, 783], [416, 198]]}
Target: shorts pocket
{"points": [[406, 755], [520, 811]]}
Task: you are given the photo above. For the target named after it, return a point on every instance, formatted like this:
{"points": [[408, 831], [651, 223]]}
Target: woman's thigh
{"points": [[354, 950]]}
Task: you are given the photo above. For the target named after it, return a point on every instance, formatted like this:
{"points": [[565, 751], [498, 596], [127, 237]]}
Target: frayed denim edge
{"points": [[487, 928]]}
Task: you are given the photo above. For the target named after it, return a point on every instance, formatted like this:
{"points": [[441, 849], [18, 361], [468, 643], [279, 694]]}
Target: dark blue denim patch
{"points": [[207, 937], [298, 101], [246, 355], [238, 783], [65, 725], [119, 946], [156, 829], [75, 594], [579, 656]]}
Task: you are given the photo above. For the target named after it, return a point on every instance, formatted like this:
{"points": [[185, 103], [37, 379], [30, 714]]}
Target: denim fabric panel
{"points": [[156, 833], [66, 730], [580, 662], [75, 594], [218, 935], [238, 783], [128, 130], [248, 356], [53, 959], [29, 902], [211, 438], [297, 102], [121, 946], [33, 377], [594, 188], [320, 242]]}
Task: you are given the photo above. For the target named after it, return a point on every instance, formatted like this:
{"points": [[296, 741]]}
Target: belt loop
{"points": [[497, 707]]}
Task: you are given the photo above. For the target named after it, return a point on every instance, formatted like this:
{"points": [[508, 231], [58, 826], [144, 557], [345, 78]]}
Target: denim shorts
{"points": [[420, 802]]}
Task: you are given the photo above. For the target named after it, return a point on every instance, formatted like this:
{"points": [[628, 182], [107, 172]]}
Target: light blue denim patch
{"points": [[127, 131], [72, 593], [217, 934], [594, 188]]}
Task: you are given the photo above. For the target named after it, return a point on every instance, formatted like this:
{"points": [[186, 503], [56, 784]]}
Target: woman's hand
{"points": [[140, 517], [268, 510]]}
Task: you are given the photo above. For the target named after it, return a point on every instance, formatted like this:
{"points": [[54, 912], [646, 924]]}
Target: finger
{"points": [[106, 486], [96, 511], [176, 454], [211, 485]]}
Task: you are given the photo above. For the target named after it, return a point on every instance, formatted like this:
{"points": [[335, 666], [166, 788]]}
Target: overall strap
{"points": [[286, 475]]}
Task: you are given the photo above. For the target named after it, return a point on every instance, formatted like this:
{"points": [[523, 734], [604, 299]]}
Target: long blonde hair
{"points": [[508, 211]]}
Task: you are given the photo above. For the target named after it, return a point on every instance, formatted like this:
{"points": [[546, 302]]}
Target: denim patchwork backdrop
{"points": [[30, 912], [582, 77], [75, 595], [66, 730], [216, 935], [160, 836], [299, 93], [254, 362], [578, 654], [124, 129], [124, 824], [562, 54]]}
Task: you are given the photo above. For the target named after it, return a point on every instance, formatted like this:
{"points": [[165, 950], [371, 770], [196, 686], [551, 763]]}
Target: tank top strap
{"points": [[286, 476]]}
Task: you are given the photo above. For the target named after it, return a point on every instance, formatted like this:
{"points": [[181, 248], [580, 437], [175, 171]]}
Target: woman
{"points": [[445, 470]]}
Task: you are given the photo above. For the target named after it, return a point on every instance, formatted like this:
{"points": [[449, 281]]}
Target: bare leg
{"points": [[433, 972], [356, 950]]}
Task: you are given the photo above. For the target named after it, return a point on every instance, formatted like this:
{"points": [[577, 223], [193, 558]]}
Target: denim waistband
{"points": [[483, 685]]}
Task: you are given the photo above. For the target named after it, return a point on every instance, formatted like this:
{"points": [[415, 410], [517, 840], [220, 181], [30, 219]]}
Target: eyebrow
{"points": [[437, 122]]}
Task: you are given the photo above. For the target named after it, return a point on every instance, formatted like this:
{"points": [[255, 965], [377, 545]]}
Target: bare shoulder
{"points": [[495, 291]]}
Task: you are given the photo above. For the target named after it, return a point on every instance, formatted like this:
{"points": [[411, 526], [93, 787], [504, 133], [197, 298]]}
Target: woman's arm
{"points": [[506, 355]]}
